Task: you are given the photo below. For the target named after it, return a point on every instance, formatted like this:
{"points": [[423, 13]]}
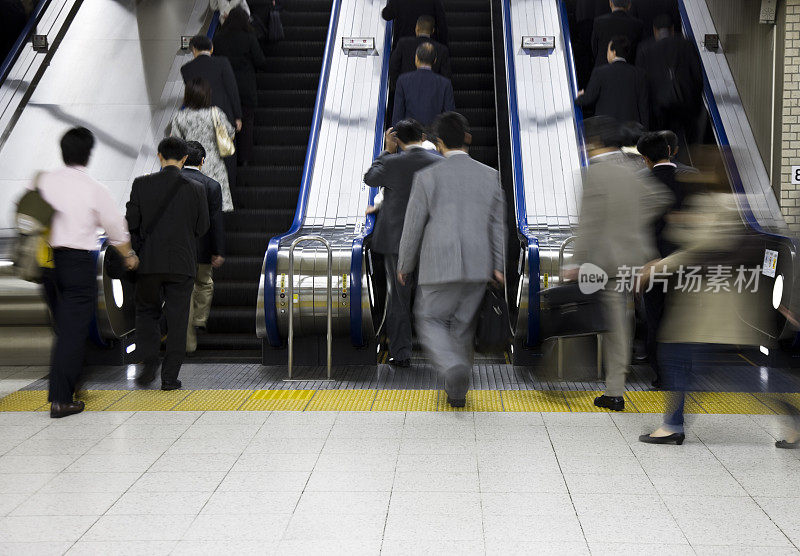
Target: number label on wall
{"points": [[795, 175]]}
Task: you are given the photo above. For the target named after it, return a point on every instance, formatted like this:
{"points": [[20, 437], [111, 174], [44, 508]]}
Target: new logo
{"points": [[591, 278]]}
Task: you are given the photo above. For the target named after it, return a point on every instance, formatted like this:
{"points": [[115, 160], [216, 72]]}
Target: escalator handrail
{"points": [[573, 81], [271, 262], [16, 50], [357, 252], [214, 25], [519, 180]]}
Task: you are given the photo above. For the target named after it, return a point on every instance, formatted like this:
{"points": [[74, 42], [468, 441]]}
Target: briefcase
{"points": [[493, 334], [566, 311]]}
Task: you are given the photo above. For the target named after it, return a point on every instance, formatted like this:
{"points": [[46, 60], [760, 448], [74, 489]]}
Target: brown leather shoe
{"points": [[58, 410]]}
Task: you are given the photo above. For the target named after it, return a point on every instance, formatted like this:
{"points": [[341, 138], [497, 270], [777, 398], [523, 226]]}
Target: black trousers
{"points": [[76, 284], [174, 291], [230, 167], [244, 139], [398, 313]]}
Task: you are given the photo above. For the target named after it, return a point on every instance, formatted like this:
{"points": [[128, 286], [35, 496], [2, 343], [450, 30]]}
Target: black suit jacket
{"points": [[403, 59], [589, 10], [647, 10], [422, 95], [405, 13], [674, 56], [666, 175], [172, 246], [618, 90], [245, 55], [213, 241], [219, 74], [395, 173], [608, 26]]}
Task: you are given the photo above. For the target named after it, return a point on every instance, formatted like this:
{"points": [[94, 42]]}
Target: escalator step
{"points": [[260, 7], [262, 175], [232, 319], [466, 81], [485, 155], [473, 99], [305, 64], [281, 135], [466, 33], [472, 48], [229, 344], [258, 220], [284, 116], [287, 98], [287, 81], [466, 6], [311, 33], [239, 268], [264, 196], [230, 293], [483, 136], [479, 116], [272, 154], [304, 19], [249, 244], [293, 49], [482, 64], [470, 19]]}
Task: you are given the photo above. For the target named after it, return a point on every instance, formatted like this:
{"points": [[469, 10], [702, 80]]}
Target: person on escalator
{"points": [[647, 11], [422, 95], [586, 11], [618, 23], [394, 171], [454, 238], [405, 13], [618, 89], [404, 54]]}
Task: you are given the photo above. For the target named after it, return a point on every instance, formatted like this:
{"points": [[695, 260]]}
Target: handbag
{"points": [[493, 334], [224, 141], [114, 262], [32, 251], [566, 311]]}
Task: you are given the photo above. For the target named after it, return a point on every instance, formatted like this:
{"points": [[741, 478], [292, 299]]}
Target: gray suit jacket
{"points": [[395, 173], [455, 223], [617, 215]]}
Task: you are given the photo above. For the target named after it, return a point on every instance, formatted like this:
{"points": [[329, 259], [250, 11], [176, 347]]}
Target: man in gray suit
{"points": [[454, 234], [615, 232], [395, 173]]}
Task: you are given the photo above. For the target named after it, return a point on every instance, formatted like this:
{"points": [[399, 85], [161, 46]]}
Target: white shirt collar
{"points": [[665, 164], [456, 152], [618, 59], [427, 36], [599, 156], [412, 147], [187, 167]]}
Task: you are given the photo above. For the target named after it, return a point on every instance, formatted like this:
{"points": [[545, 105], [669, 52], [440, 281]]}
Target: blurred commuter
{"points": [[586, 11], [237, 41], [647, 11], [655, 152], [618, 89], [82, 205], [197, 122], [404, 54], [166, 214], [422, 95], [225, 7], [615, 233], [615, 24], [394, 172], [218, 72], [405, 13], [675, 79], [12, 23], [210, 246], [702, 318], [454, 237], [674, 149]]}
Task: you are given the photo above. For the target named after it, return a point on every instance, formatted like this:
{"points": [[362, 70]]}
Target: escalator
{"points": [[266, 192]]}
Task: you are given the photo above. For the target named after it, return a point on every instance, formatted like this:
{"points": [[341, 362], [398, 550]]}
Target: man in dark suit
{"points": [[586, 11], [217, 70], [422, 95], [166, 214], [618, 23], [404, 54], [405, 13], [210, 247], [394, 172], [646, 11], [675, 79], [655, 150], [618, 89]]}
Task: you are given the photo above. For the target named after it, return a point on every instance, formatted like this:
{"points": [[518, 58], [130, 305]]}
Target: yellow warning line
{"points": [[746, 359], [742, 403]]}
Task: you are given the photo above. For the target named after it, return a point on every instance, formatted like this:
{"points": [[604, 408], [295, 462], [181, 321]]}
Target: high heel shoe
{"points": [[677, 438]]}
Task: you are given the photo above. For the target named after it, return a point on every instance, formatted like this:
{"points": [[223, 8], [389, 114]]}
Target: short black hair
{"points": [[195, 153], [197, 94], [201, 43], [237, 20], [426, 23], [653, 147], [76, 146], [663, 21], [621, 3], [409, 131], [452, 129], [172, 148], [426, 53], [621, 45], [671, 138], [631, 132], [604, 130]]}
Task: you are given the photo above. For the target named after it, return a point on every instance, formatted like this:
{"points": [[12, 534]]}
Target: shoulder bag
{"points": [[224, 141]]}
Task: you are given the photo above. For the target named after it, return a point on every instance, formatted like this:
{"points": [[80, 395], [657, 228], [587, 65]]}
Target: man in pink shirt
{"points": [[82, 206]]}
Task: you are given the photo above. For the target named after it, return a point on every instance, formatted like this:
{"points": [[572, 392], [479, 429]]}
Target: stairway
{"points": [[265, 196], [469, 25]]}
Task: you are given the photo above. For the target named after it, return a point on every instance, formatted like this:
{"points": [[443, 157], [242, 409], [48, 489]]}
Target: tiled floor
{"points": [[392, 483]]}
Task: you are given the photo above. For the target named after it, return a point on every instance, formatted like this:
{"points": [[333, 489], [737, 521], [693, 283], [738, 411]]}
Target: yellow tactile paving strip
{"points": [[395, 400]]}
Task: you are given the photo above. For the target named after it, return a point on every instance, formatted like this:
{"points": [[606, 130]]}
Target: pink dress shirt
{"points": [[82, 206]]}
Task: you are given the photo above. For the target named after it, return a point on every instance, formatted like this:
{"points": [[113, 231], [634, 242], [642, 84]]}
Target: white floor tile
{"points": [[277, 481], [634, 549], [154, 503], [217, 548], [44, 528], [285, 446], [10, 501], [164, 417], [118, 462], [27, 483], [404, 547], [122, 548], [342, 527], [34, 548], [235, 503], [265, 527], [693, 485], [126, 445], [220, 445], [603, 483], [539, 528], [523, 548], [437, 463], [499, 481], [149, 430], [224, 431], [194, 462], [232, 418], [460, 527], [424, 481], [386, 446], [526, 503], [178, 481], [39, 447], [361, 547], [67, 503], [91, 482], [350, 462], [613, 529], [435, 503], [35, 463], [350, 481], [139, 528]]}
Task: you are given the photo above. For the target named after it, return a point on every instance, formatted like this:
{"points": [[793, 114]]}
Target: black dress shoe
{"points": [[676, 437], [147, 375], [58, 410], [405, 363], [786, 445], [457, 402], [614, 403], [171, 385]]}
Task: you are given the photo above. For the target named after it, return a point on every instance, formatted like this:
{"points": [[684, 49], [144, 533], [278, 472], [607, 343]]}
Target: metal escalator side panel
{"points": [[360, 304], [269, 273]]}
